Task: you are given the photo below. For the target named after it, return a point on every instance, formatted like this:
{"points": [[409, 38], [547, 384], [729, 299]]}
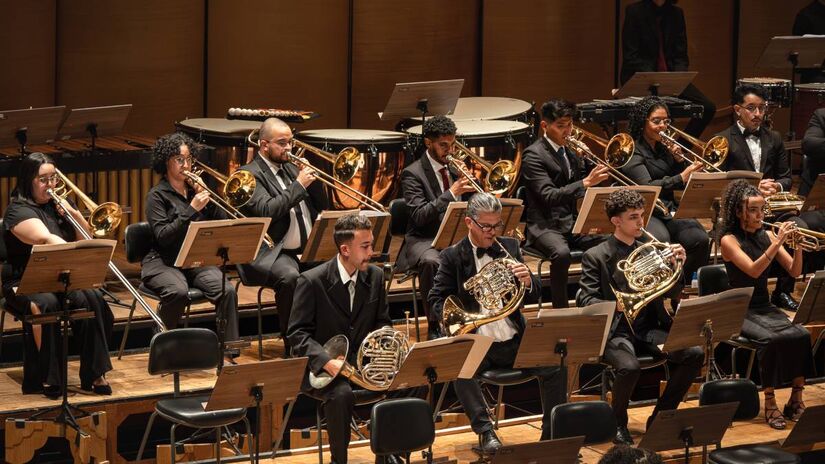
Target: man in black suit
{"points": [[654, 38], [555, 178], [753, 147], [292, 199], [461, 262], [813, 146], [600, 275], [344, 295], [428, 186]]}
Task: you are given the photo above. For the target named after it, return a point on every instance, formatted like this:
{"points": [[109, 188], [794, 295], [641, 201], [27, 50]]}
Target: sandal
{"points": [[773, 417], [794, 409]]}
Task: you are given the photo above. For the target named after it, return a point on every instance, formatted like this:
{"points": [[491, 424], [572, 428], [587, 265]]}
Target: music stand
{"points": [[684, 428], [559, 451], [812, 305], [30, 126], [209, 243], [809, 429], [453, 228], [592, 219], [57, 269], [246, 385], [656, 83], [320, 244], [707, 320], [816, 197]]}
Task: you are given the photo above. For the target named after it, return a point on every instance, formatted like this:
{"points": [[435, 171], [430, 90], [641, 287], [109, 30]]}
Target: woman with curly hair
{"points": [[748, 250], [171, 206], [653, 164]]}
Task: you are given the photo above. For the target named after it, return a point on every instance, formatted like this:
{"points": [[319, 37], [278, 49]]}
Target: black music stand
{"points": [[809, 429], [592, 219], [816, 197], [685, 428], [30, 126], [57, 269], [246, 385], [812, 305], [559, 451], [656, 83], [209, 243], [708, 320]]}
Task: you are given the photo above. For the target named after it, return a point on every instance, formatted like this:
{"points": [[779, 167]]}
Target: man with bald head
{"points": [[292, 199]]}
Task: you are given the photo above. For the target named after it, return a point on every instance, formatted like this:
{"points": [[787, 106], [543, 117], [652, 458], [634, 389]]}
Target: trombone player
{"points": [[600, 275], [290, 196]]}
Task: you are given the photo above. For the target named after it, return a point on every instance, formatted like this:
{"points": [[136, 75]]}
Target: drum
{"points": [[382, 155], [225, 139], [488, 108], [490, 140], [779, 90], [807, 98]]}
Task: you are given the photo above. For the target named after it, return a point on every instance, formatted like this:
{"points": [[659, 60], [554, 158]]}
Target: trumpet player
{"points": [[171, 206], [555, 178], [600, 276], [760, 149], [654, 163], [289, 195], [459, 263], [784, 349], [428, 186]]}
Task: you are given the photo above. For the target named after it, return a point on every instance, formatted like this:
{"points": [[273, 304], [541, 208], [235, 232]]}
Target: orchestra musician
{"points": [[813, 146], [459, 263], [748, 250], [555, 178], [653, 163], [171, 205], [429, 185], [600, 275], [290, 196], [33, 218], [753, 147]]}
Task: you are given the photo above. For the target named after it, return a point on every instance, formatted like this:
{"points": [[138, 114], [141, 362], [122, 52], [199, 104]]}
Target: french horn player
{"points": [[612, 271], [481, 285]]}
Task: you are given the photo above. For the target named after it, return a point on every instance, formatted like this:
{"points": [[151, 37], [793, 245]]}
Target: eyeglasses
{"points": [[281, 143], [488, 227], [657, 121], [47, 179], [183, 160], [754, 108]]}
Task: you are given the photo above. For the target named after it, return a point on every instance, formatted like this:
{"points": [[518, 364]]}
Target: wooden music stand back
{"points": [[816, 197], [592, 219], [35, 126], [413, 99], [704, 189], [559, 451], [204, 239], [453, 228], [104, 120], [320, 244], [782, 51], [688, 427]]}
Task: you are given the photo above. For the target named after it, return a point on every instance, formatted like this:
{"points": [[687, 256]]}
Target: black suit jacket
{"points": [[421, 188], [640, 38], [813, 146], [551, 192], [600, 271], [321, 311], [774, 164], [656, 166], [458, 265]]}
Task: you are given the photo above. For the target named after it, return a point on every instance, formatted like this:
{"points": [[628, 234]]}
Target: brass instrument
{"points": [[380, 356], [783, 202], [617, 153], [806, 239], [714, 151], [650, 271], [103, 218], [496, 289], [500, 176]]}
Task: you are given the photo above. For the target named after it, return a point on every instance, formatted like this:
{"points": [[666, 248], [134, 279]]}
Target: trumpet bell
{"points": [[105, 219], [239, 188], [346, 164]]}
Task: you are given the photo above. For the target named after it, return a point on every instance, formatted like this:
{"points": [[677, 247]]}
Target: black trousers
{"points": [[427, 267], [552, 383], [688, 233], [816, 221], [620, 353], [172, 285], [556, 247], [695, 126]]}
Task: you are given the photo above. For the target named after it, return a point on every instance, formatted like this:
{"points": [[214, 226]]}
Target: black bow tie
{"points": [[755, 133], [493, 251]]}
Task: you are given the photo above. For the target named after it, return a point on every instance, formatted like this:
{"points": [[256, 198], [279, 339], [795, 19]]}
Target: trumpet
{"points": [[806, 239], [500, 176], [714, 151], [617, 153]]}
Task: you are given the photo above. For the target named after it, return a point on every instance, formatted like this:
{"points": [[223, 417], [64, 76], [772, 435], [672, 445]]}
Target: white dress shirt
{"points": [[502, 329], [292, 238], [754, 146], [346, 278]]}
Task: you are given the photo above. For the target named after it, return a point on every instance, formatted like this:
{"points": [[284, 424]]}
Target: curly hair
{"points": [[623, 454], [556, 109], [167, 146], [438, 126], [734, 196], [623, 200], [641, 111], [746, 89]]}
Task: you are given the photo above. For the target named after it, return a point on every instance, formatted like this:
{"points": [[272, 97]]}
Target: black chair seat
{"points": [[740, 340], [646, 361], [413, 416], [190, 411], [576, 256], [195, 295], [752, 454], [506, 376], [592, 419]]}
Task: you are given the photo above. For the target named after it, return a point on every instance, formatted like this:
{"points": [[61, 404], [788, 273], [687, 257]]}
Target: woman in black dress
{"points": [[33, 218], [748, 250], [653, 164]]}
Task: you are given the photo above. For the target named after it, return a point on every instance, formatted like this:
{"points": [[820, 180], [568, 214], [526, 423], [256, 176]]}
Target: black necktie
{"points": [[299, 215], [563, 155]]}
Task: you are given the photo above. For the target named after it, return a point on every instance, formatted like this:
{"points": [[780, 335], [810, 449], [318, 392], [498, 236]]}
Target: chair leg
{"points": [[126, 330], [253, 439], [186, 314], [146, 435], [498, 405], [172, 444], [733, 370], [750, 363], [2, 324], [318, 425], [541, 265], [218, 436], [260, 327], [415, 308], [604, 385]]}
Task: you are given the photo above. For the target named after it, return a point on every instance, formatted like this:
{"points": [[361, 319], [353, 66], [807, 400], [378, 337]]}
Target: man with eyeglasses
{"points": [[754, 147], [290, 196], [459, 263]]}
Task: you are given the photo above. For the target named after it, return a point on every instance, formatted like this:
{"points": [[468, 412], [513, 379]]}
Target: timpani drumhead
{"points": [[484, 108], [481, 129], [351, 136], [219, 126]]}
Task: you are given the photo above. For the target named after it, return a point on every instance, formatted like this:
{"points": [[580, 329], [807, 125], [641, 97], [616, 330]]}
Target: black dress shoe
{"points": [[784, 301], [52, 392], [97, 389], [390, 459], [623, 436], [488, 442]]}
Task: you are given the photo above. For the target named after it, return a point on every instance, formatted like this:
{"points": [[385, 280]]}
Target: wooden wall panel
{"points": [[554, 48], [27, 35], [148, 53], [279, 54], [397, 41]]}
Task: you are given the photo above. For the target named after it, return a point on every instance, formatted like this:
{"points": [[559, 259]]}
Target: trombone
{"points": [[500, 176], [806, 239], [105, 217], [617, 153], [337, 185], [714, 151]]}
